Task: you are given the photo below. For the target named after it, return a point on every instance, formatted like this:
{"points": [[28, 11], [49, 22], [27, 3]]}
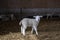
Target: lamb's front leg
{"points": [[35, 28], [32, 31]]}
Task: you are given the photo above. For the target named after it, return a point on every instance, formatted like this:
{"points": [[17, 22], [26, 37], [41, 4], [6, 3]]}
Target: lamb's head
{"points": [[37, 17]]}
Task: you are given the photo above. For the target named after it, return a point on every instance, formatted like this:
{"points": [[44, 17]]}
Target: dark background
{"points": [[29, 7]]}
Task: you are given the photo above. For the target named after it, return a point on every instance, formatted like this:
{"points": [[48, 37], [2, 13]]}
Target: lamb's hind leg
{"points": [[24, 31], [24, 28], [35, 28], [21, 29]]}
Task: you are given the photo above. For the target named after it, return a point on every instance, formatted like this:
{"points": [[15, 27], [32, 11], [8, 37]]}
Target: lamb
{"points": [[27, 22]]}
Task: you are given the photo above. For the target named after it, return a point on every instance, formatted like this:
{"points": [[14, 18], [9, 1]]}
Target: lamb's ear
{"points": [[41, 16]]}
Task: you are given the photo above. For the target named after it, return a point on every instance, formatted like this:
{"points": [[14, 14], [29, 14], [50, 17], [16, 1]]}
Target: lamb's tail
{"points": [[20, 22]]}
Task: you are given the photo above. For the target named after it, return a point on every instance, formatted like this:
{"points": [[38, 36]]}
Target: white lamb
{"points": [[27, 22]]}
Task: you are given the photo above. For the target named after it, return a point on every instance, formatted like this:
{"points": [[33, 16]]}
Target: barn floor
{"points": [[48, 30]]}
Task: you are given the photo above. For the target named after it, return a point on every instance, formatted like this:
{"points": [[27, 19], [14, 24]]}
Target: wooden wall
{"points": [[33, 3], [3, 3], [15, 5], [29, 3]]}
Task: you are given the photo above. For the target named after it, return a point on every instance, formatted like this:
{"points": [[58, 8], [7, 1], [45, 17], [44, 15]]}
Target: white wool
{"points": [[27, 22]]}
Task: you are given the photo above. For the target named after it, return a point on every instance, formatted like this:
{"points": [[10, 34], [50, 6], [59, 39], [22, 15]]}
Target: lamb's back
{"points": [[29, 22]]}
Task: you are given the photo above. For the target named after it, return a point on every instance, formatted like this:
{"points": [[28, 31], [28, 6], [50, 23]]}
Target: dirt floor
{"points": [[48, 29]]}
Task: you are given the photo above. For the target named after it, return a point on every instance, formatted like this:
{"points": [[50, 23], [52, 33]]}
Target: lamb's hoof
{"points": [[31, 32], [24, 35], [36, 34]]}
